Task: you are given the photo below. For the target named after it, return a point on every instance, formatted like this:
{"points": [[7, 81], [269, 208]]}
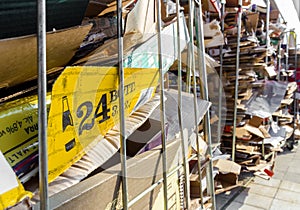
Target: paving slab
{"points": [[253, 199], [294, 162], [291, 186], [239, 206], [282, 168], [262, 190], [278, 174], [224, 199], [273, 182], [283, 205], [297, 156], [283, 160], [286, 154], [289, 196], [292, 177]]}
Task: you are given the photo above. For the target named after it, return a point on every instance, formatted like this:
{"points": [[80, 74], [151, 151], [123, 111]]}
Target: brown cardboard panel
{"points": [[195, 183], [251, 150], [292, 87], [255, 121], [112, 7], [226, 187], [227, 166], [19, 55], [234, 3], [254, 130], [94, 8], [211, 64], [228, 179], [270, 71], [264, 131], [242, 133], [252, 20]]}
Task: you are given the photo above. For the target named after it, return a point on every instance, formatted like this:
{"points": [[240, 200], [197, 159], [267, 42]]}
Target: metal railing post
{"points": [[267, 29], [42, 105], [287, 53], [123, 152], [223, 2], [183, 140], [295, 99], [236, 78], [191, 59], [193, 72], [204, 90], [267, 40], [162, 103], [279, 59]]}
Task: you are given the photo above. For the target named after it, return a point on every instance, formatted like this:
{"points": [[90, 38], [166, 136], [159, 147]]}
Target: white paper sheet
{"points": [[8, 178]]}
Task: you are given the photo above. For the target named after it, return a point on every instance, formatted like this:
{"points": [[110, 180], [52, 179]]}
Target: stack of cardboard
{"points": [[257, 99], [251, 65], [284, 116]]}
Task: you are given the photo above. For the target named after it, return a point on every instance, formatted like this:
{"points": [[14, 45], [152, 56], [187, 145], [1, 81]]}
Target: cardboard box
{"points": [[228, 171]]}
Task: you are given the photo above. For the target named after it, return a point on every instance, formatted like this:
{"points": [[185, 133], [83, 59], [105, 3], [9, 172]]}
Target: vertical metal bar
{"points": [[204, 88], [267, 40], [183, 140], [191, 59], [287, 53], [296, 66], [223, 2], [279, 59], [196, 132], [236, 78], [42, 105], [263, 149], [296, 60], [123, 152], [295, 116], [196, 120], [162, 103], [193, 72], [267, 29], [295, 100]]}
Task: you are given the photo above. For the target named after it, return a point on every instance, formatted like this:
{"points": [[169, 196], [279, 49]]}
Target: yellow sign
{"points": [[85, 105], [19, 133]]}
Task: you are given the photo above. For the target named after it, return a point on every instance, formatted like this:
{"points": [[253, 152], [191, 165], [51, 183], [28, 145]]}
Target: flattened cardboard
{"points": [[255, 121], [271, 71], [251, 150], [254, 130], [264, 131], [19, 55], [252, 20], [172, 109], [227, 166], [242, 133]]}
